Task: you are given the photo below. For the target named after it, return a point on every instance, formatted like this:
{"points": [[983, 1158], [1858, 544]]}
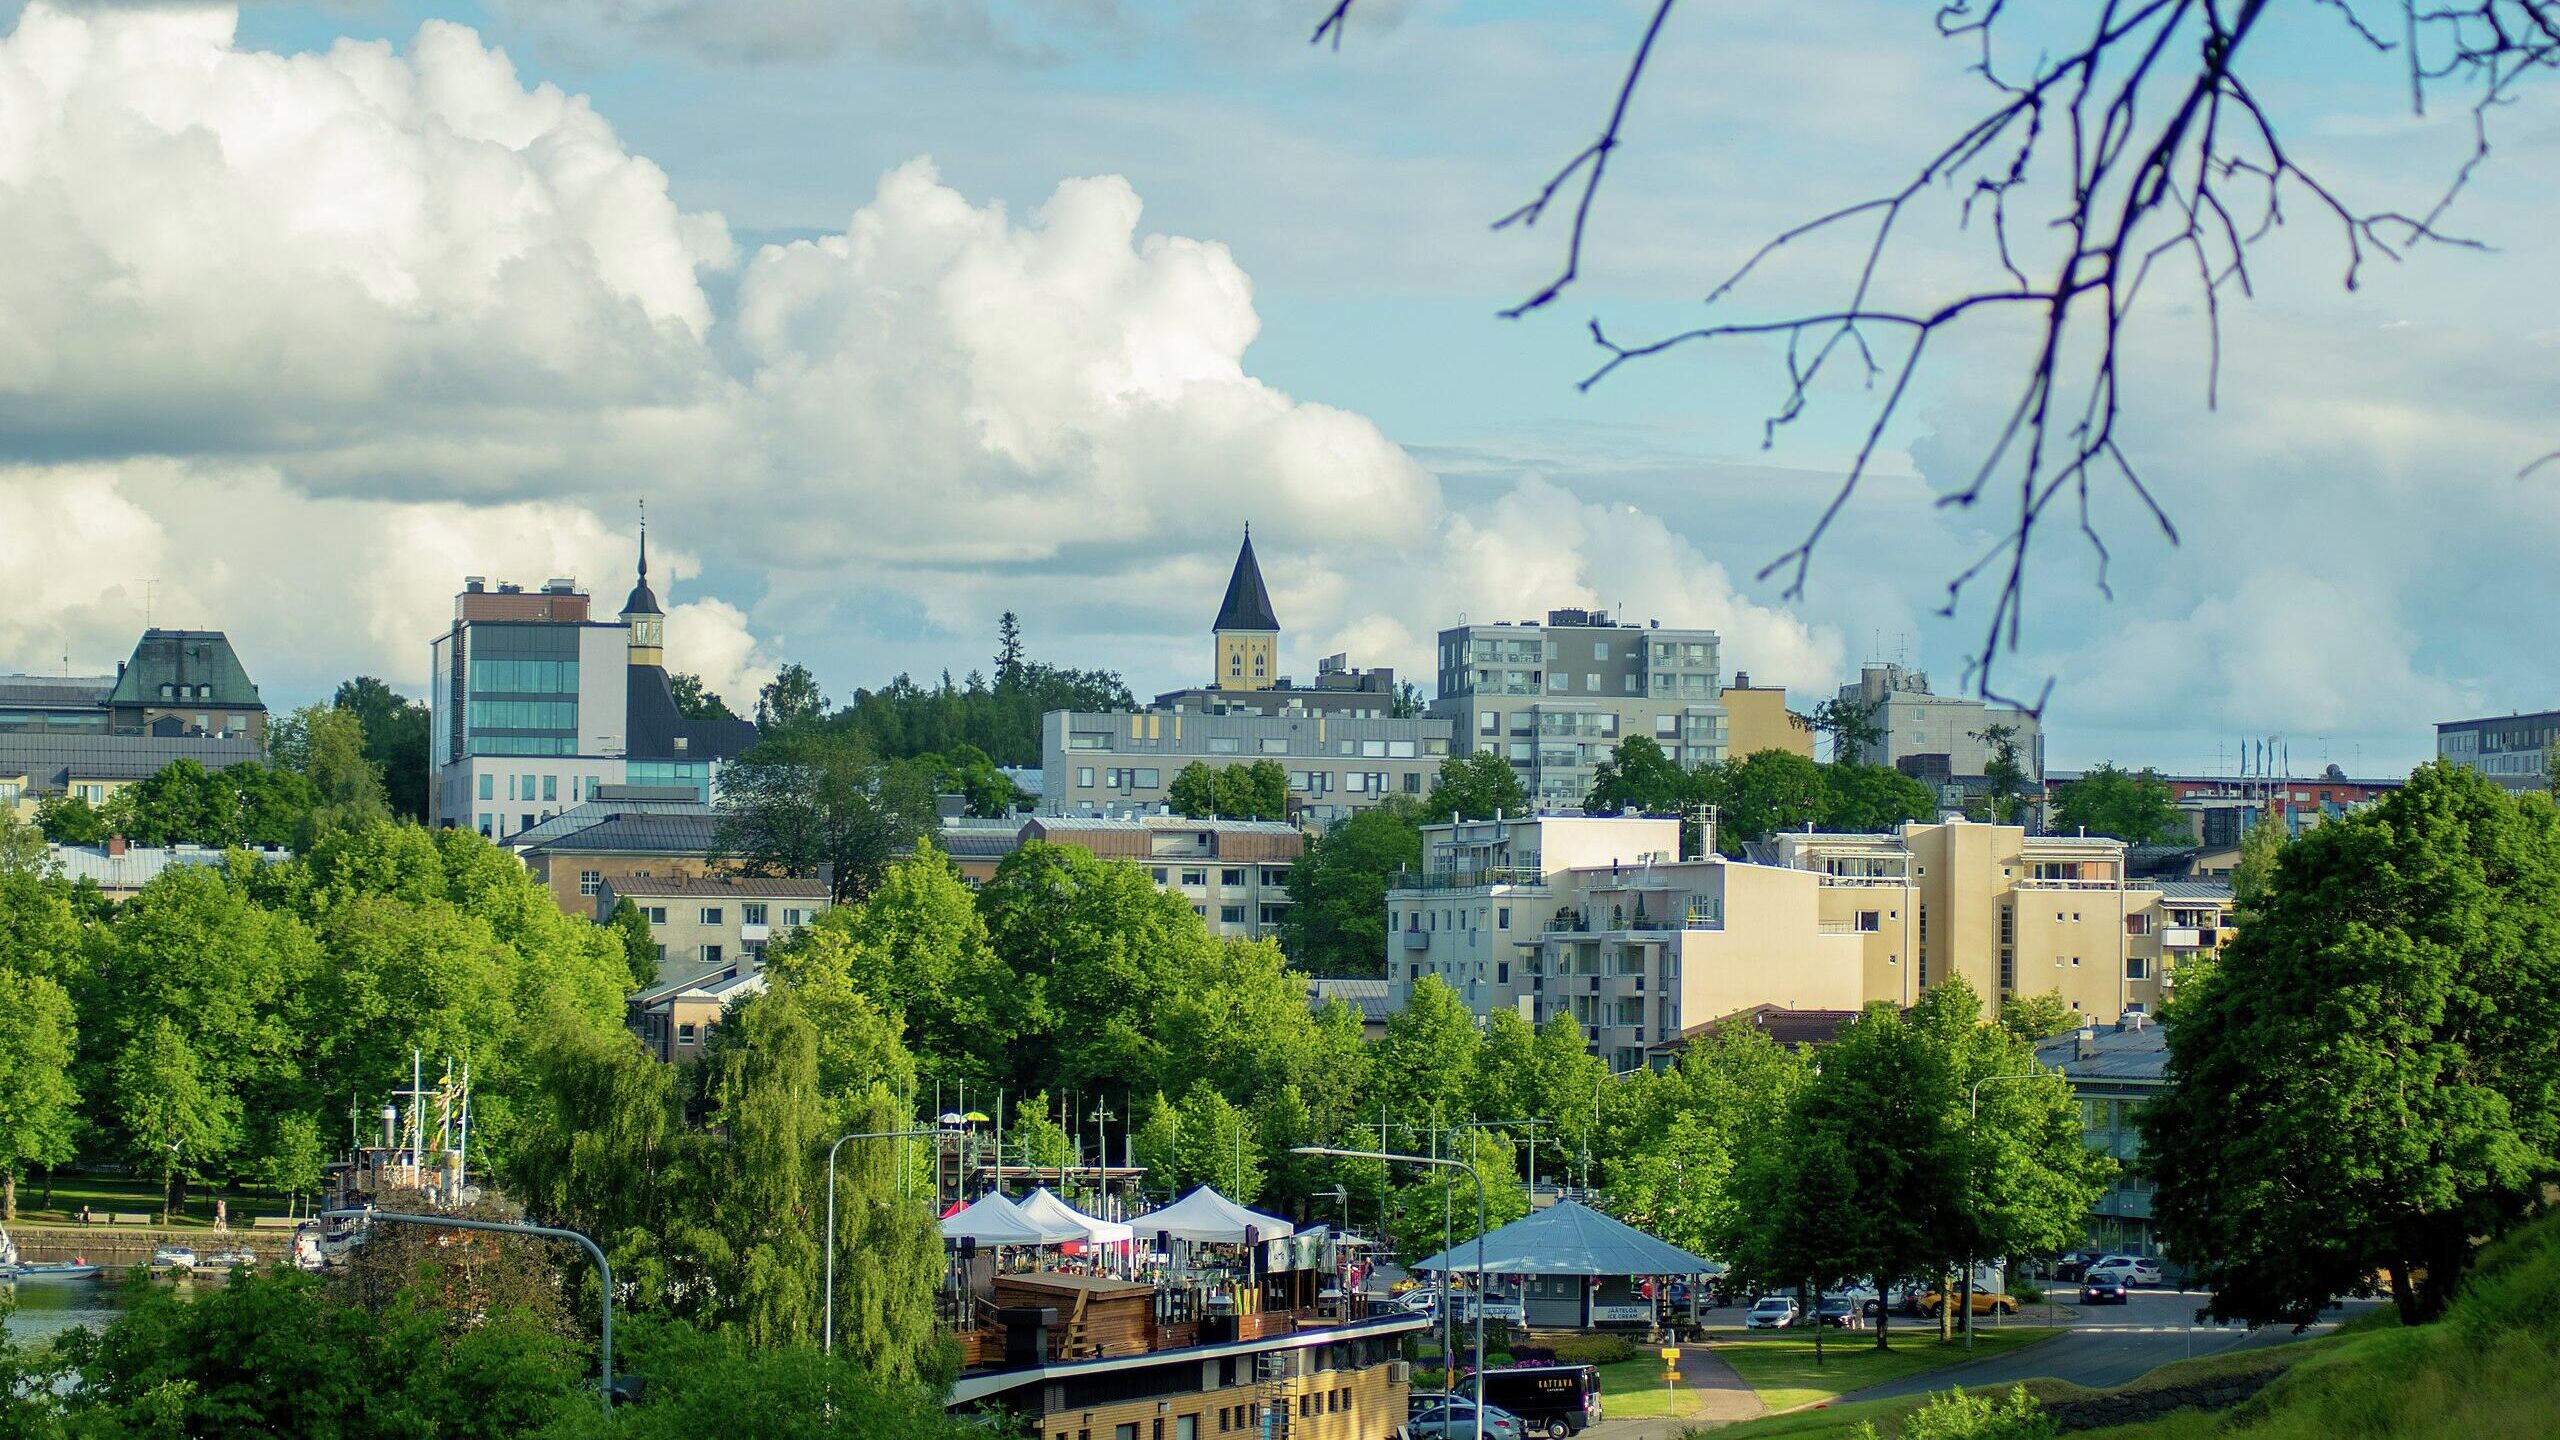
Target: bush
{"points": [[2025, 1290], [1595, 1350], [1958, 1416]]}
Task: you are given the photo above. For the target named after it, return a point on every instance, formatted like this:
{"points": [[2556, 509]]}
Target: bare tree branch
{"points": [[2144, 140]]}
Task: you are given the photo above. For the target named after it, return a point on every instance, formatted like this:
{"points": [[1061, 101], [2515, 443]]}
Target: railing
{"points": [[1834, 927], [1896, 881], [1568, 925], [1466, 879], [1705, 917], [2069, 885]]}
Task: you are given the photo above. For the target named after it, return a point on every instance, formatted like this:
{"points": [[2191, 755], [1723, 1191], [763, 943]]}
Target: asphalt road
{"points": [[2106, 1345]]}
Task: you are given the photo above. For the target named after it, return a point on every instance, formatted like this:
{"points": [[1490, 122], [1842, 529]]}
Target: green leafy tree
{"points": [[1761, 794], [1035, 1137], [764, 1188], [1428, 1059], [1638, 776], [39, 1109], [1255, 791], [1477, 787], [1409, 702], [1671, 1174], [790, 703], [291, 1157], [1194, 791], [639, 942], [2262, 847], [1205, 1139], [395, 741], [601, 1148], [2136, 807], [69, 820], [1852, 726], [2034, 1017], [1872, 799], [175, 1124], [917, 948], [326, 746], [814, 802], [2004, 774], [22, 848], [2366, 1081], [695, 701], [1336, 923], [966, 771], [885, 1318], [1097, 952], [1437, 1206], [1010, 654]]}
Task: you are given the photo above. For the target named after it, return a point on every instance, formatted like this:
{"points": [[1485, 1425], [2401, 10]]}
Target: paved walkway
{"points": [[1717, 1397]]}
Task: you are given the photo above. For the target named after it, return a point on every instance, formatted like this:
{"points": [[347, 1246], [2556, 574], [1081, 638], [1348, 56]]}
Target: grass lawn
{"points": [[133, 1195], [1780, 1365], [1633, 1390]]}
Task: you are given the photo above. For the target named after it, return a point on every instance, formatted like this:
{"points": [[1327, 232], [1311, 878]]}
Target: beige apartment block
{"points": [[1757, 719], [2013, 913], [704, 923]]}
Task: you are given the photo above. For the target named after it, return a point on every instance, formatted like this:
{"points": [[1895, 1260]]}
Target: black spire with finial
{"points": [[1248, 604], [643, 601]]}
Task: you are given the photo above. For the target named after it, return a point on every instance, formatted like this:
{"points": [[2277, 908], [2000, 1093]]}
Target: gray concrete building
{"points": [[1556, 697], [1937, 739], [2509, 749]]}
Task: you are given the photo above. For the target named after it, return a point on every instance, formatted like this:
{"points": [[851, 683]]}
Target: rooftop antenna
{"points": [[150, 597]]}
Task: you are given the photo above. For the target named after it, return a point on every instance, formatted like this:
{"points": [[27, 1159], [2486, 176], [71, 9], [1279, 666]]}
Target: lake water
{"points": [[46, 1310]]}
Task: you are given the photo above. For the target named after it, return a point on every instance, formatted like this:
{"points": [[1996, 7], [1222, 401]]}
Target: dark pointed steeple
{"points": [[1248, 604], [643, 601]]}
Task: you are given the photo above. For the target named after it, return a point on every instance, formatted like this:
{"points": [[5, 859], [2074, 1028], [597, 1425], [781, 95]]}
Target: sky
{"points": [[900, 314]]}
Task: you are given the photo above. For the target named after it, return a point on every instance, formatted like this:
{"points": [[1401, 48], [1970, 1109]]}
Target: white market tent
{"points": [[1056, 1218], [992, 1220], [1206, 1217]]}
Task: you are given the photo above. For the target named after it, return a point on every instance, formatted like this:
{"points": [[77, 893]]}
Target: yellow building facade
{"points": [[1757, 719]]}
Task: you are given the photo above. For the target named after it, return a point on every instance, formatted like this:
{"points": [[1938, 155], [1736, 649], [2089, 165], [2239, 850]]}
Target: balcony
{"points": [[2069, 885], [2185, 937], [1476, 879], [1416, 939], [1866, 881]]}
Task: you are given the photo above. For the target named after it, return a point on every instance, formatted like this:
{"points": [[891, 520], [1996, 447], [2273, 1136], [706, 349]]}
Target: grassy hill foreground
{"points": [[2488, 1371]]}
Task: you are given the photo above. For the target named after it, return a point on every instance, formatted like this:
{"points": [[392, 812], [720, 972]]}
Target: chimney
{"points": [[2086, 1048], [115, 845]]}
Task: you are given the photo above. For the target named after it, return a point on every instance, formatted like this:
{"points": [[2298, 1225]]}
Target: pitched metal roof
{"points": [[52, 759], [643, 600], [694, 834], [1366, 997], [137, 867], [1568, 1238], [1248, 604], [2196, 890], [588, 814], [187, 658], [653, 724], [714, 887], [60, 692]]}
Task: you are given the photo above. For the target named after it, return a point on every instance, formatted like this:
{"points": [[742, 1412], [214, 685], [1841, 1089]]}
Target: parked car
{"points": [[1418, 1302], [2102, 1291], [1771, 1312], [1983, 1302], [1434, 1417], [2126, 1269], [2073, 1266], [1834, 1311], [1552, 1400], [1496, 1307]]}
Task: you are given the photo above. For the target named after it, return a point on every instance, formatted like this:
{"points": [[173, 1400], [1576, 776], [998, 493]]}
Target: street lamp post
{"points": [[1974, 1108], [604, 1267], [1448, 1362], [828, 1342]]}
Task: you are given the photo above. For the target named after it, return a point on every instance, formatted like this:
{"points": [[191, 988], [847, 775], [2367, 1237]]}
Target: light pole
{"points": [[1448, 1362], [1974, 1108], [604, 1267], [828, 1343]]}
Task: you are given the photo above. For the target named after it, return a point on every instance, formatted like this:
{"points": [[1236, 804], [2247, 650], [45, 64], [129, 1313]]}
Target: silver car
{"points": [[2126, 1270], [1770, 1312], [1434, 1417]]}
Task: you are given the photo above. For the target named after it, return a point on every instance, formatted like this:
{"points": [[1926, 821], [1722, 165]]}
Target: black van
{"points": [[1553, 1400]]}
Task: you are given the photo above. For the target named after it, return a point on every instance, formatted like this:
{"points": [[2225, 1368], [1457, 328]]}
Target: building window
{"points": [[1084, 777], [1489, 722], [590, 881], [2137, 967], [1225, 745], [1868, 922], [710, 914], [484, 815], [793, 915], [2137, 924], [488, 782], [684, 1034], [1231, 914], [657, 914], [1195, 879], [750, 914], [710, 954], [1232, 876], [1502, 918]]}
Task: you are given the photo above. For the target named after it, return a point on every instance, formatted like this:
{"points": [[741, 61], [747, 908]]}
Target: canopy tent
{"points": [[1206, 1217], [991, 1220], [1058, 1219], [1571, 1239]]}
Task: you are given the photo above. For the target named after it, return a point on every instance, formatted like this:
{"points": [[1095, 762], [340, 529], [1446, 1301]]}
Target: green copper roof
{"points": [[185, 661]]}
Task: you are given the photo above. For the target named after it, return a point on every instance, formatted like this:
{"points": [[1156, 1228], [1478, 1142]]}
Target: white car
{"points": [[2125, 1270], [1770, 1312]]}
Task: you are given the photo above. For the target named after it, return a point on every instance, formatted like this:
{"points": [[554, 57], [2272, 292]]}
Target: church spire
{"points": [[1247, 632], [644, 623]]}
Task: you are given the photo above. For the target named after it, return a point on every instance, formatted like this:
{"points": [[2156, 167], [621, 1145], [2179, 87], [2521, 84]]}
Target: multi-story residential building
{"points": [[2115, 1071], [674, 1018], [1937, 738], [1234, 874], [1757, 719], [37, 765], [177, 682], [536, 705], [1604, 921], [1556, 698], [1123, 760], [2510, 749], [707, 922], [1340, 742], [619, 832], [2012, 913]]}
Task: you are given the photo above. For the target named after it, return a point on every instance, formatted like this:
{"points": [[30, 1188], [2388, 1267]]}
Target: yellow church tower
{"points": [[1248, 633]]}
